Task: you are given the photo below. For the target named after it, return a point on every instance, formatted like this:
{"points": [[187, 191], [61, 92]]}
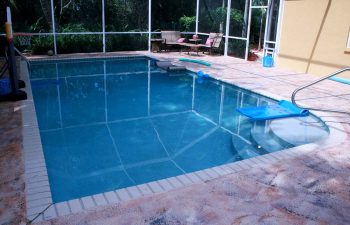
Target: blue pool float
{"points": [[195, 61], [201, 74], [283, 109], [341, 80]]}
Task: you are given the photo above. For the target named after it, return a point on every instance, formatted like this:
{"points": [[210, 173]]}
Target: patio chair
{"points": [[170, 38], [213, 42]]}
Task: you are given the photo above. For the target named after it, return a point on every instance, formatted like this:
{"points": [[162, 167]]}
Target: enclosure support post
{"points": [[103, 27], [197, 15], [279, 28], [244, 30], [248, 30], [271, 6], [267, 26], [149, 24], [53, 28], [227, 26]]}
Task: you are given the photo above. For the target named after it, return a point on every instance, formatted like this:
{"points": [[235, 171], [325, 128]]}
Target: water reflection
{"points": [[95, 92]]}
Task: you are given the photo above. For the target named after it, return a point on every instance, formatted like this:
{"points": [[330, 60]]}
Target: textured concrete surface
{"points": [[310, 189], [12, 199], [274, 194]]}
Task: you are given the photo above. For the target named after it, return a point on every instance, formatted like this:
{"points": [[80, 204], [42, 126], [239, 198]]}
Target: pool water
{"points": [[111, 123]]}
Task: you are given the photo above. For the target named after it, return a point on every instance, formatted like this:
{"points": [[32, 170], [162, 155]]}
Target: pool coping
{"points": [[38, 193]]}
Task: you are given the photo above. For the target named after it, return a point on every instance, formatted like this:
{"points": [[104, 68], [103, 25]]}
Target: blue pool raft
{"points": [[201, 74], [283, 109]]}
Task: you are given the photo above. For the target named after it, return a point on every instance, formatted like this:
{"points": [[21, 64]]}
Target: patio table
{"points": [[156, 44]]}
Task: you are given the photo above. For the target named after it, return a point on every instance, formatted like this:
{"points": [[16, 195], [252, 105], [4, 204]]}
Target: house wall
{"points": [[314, 35]]}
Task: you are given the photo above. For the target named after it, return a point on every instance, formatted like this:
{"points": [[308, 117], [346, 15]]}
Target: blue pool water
{"points": [[106, 124]]}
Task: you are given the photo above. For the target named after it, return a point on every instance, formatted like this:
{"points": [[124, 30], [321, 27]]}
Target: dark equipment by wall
{"points": [[9, 83]]}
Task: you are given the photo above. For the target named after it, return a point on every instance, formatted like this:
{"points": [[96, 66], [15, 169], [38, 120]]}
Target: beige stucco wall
{"points": [[314, 36]]}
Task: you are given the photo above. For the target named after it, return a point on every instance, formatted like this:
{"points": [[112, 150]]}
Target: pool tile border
{"points": [[86, 59], [38, 193]]}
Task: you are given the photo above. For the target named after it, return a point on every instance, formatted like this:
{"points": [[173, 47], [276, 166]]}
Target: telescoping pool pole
{"points": [[15, 94]]}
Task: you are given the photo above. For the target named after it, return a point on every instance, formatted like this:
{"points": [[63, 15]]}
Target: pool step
{"points": [[264, 139], [243, 147], [299, 131], [276, 135]]}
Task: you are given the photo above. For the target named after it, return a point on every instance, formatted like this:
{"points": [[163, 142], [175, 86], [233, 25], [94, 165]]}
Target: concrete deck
{"points": [[12, 186], [312, 187]]}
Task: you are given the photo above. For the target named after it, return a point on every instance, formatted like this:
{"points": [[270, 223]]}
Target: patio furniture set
{"points": [[172, 40]]}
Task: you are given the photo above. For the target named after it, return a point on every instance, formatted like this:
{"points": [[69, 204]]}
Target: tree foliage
{"points": [[187, 22]]}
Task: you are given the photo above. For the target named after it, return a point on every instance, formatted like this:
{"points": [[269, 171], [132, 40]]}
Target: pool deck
{"points": [[298, 187]]}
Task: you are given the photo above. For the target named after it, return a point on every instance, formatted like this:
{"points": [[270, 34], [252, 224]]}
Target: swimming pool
{"points": [[111, 123]]}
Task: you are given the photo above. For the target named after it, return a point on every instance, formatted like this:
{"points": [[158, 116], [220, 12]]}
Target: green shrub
{"points": [[83, 43], [236, 48], [78, 43], [39, 45], [187, 22]]}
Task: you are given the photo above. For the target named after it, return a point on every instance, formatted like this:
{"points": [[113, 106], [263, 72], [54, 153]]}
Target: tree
{"points": [[46, 7]]}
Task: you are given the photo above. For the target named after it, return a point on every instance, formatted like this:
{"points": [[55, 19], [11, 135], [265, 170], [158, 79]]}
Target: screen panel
{"points": [[126, 15], [82, 43], [126, 42], [78, 16], [177, 15], [212, 16]]}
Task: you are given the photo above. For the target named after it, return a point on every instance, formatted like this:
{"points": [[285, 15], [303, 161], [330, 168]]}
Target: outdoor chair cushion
{"points": [[181, 40], [209, 42]]}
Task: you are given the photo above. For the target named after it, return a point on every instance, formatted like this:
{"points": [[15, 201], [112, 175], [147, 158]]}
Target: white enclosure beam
{"points": [[103, 27], [233, 37], [279, 28], [246, 10], [197, 16], [149, 24], [267, 25], [248, 30], [260, 7], [53, 28], [227, 32]]}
